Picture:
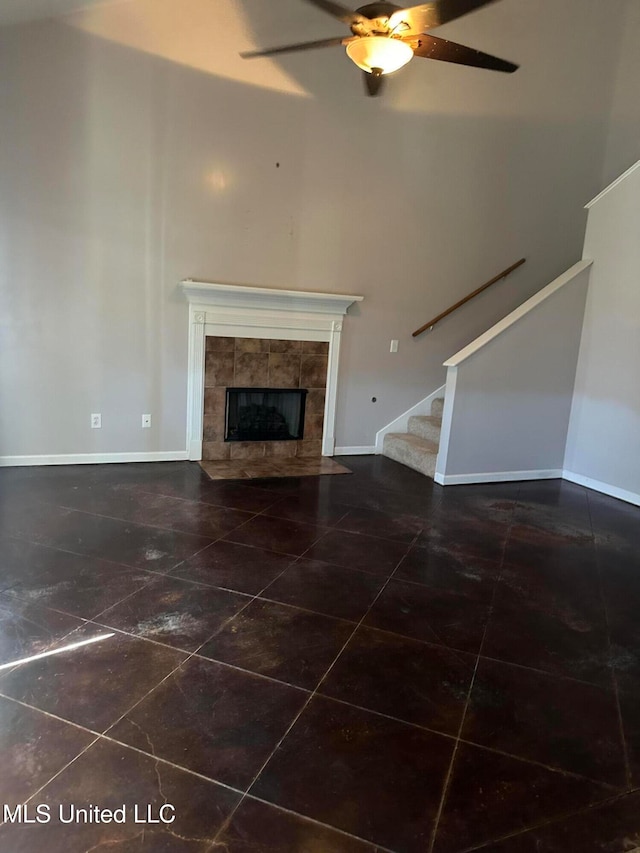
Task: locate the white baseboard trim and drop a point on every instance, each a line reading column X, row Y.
column 605, row 488
column 401, row 423
column 356, row 450
column 93, row 458
column 497, row 477
column 195, row 451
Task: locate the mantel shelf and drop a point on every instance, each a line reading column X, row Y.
column 246, row 296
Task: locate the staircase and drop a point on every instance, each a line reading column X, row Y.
column 418, row 448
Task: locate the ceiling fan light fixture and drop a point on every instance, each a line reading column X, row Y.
column 382, row 53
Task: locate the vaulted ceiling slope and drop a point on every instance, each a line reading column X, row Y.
column 19, row 11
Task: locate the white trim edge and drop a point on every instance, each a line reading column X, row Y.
column 356, row 450
column 498, row 477
column 599, row 486
column 94, row 458
column 401, row 423
column 447, row 420
column 519, row 313
column 612, row 185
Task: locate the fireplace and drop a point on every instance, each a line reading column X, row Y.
column 261, row 337
column 265, row 414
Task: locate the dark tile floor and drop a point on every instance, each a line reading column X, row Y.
column 318, row 665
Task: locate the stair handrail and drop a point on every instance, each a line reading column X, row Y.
column 503, row 274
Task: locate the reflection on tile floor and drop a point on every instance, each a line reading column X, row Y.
column 327, row 664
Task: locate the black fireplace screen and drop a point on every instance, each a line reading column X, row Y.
column 265, row 414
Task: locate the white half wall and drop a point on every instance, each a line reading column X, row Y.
column 508, row 394
column 603, row 444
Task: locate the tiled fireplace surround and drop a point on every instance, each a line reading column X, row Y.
column 262, row 363
column 245, row 336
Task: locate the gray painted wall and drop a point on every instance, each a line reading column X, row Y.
column 512, row 401
column 604, row 436
column 136, row 150
column 623, row 140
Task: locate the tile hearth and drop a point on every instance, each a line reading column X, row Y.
column 363, row 664
column 277, row 466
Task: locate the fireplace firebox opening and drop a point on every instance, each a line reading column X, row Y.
column 265, row 414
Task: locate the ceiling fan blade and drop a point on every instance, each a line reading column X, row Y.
column 291, row 48
column 342, row 13
column 417, row 19
column 431, row 47
column 373, row 83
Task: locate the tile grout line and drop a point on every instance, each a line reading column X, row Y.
column 291, row 686
column 97, row 736
column 449, row 774
column 207, row 503
column 334, row 525
column 129, row 566
column 260, row 595
column 557, row 819
column 311, row 696
column 251, row 513
column 62, row 769
column 153, row 577
column 103, row 736
column 60, row 550
column 158, row 577
column 49, row 647
column 125, row 520
column 378, row 847
column 614, row 677
column 186, row 660
column 475, row 744
column 67, row 765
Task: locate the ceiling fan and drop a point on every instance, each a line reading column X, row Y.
column 385, row 37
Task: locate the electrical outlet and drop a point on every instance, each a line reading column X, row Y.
column 394, row 346
column 96, row 421
column 146, row 422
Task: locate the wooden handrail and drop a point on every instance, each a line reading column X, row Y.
column 446, row 313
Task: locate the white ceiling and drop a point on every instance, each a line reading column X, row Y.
column 18, row 11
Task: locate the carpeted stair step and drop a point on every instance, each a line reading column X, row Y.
column 412, row 451
column 426, row 426
column 437, row 406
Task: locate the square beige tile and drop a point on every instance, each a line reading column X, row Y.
column 280, row 448
column 247, row 449
column 215, row 401
column 312, row 447
column 215, row 450
column 218, row 344
column 265, row 468
column 218, row 369
column 224, row 470
column 313, row 371
column 284, row 370
column 285, row 346
column 251, row 370
column 317, row 347
column 252, row 345
column 315, row 402
column 213, row 428
column 313, row 426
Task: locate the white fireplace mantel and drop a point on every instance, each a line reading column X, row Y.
column 245, row 296
column 231, row 310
